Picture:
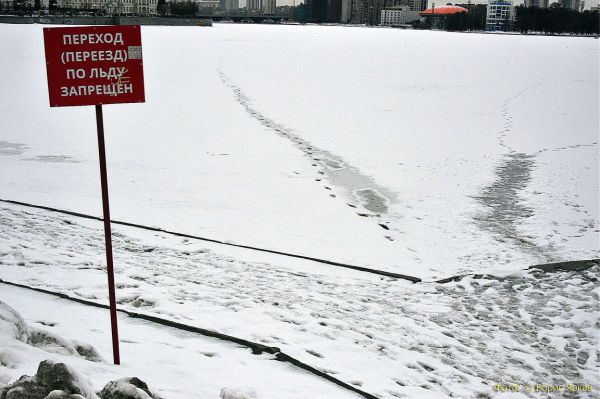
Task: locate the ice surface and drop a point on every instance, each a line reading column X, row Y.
column 379, row 147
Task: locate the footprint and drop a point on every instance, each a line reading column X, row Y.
column 315, row 354
column 582, row 357
column 46, row 323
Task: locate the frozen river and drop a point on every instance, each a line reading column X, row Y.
column 424, row 153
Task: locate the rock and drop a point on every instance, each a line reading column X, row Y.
column 57, row 376
column 51, row 381
column 126, row 388
column 87, row 351
column 233, row 393
column 25, row 387
column 63, row 395
column 57, row 381
column 140, row 384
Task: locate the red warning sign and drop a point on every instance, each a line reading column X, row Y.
column 94, row 65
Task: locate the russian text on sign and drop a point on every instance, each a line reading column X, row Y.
column 93, row 38
column 94, row 65
column 89, row 90
column 94, row 55
column 110, row 73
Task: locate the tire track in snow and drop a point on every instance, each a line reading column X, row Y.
column 361, row 189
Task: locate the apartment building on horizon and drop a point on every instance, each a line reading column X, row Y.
column 500, row 15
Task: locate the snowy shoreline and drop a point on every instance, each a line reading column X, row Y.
column 412, row 334
column 565, row 265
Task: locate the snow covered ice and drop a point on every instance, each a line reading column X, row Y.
column 423, row 122
column 431, row 154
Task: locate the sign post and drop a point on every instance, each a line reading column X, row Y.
column 108, row 236
column 96, row 65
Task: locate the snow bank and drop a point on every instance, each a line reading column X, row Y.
column 176, row 364
column 384, row 336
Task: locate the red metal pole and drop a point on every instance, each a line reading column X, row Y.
column 107, row 236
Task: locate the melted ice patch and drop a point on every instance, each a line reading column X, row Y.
column 359, row 188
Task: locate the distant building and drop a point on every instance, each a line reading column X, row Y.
column 537, row 3
column 21, row 4
column 374, row 8
column 318, row 10
column 206, row 4
column 357, row 10
column 417, row 5
column 229, row 5
column 7, row 4
column 123, row 7
column 571, row 4
column 398, row 15
column 346, row 11
column 369, row 11
column 335, row 11
column 144, row 7
column 269, row 7
column 500, row 14
column 448, row 9
column 284, row 11
column 254, row 5
column 437, row 15
column 413, row 5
